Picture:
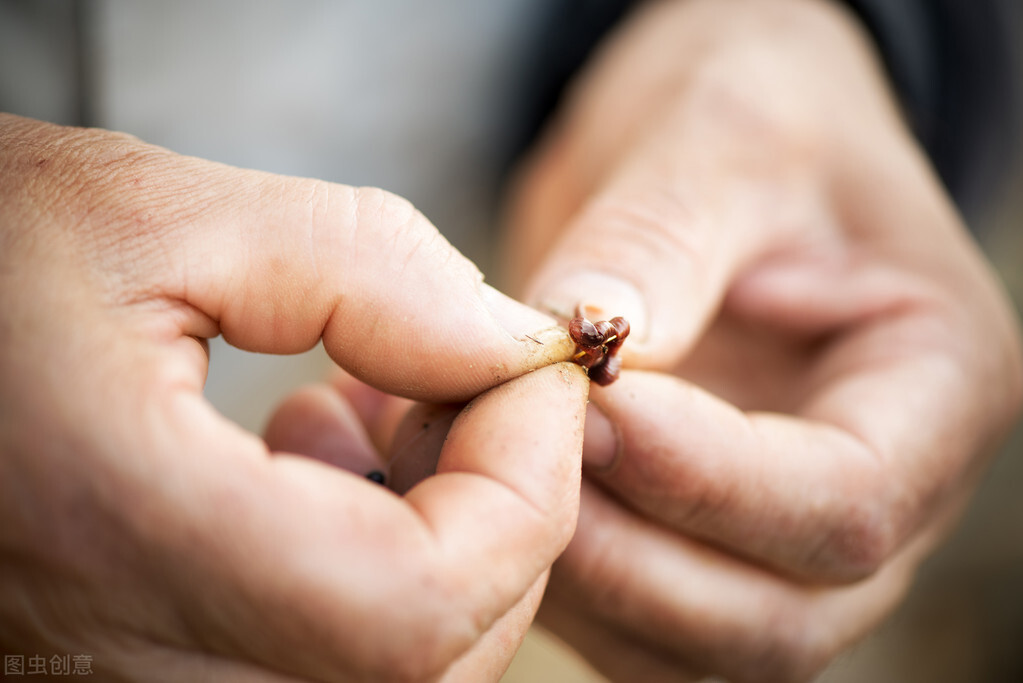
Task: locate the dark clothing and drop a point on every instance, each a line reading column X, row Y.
column 955, row 65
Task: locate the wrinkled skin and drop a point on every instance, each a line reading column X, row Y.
column 820, row 366
column 821, row 363
column 141, row 528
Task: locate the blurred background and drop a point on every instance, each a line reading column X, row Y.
column 228, row 80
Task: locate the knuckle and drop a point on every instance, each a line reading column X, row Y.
column 393, row 217
column 700, row 498
column 375, row 201
column 600, row 570
column 861, row 541
column 393, row 220
column 789, row 648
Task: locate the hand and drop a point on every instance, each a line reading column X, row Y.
column 820, row 362
column 140, row 527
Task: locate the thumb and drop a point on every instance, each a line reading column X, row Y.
column 683, row 212
column 395, row 304
column 277, row 263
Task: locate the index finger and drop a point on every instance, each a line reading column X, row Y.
column 346, row 575
column 831, row 491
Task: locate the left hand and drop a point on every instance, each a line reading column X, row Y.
column 140, row 527
column 820, row 362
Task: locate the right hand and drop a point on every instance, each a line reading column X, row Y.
column 820, row 362
column 140, row 527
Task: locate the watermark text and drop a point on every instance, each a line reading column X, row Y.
column 43, row 665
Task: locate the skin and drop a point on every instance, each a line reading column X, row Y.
column 821, row 363
column 819, row 367
column 142, row 528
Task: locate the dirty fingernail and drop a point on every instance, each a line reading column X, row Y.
column 601, row 295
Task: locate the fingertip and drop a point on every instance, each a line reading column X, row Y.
column 316, row 422
column 600, row 294
column 531, row 429
column 468, row 340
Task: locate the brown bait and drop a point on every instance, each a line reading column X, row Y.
column 597, row 346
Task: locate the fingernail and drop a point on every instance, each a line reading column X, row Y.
column 517, row 318
column 602, row 297
column 601, row 444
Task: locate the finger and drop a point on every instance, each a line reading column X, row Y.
column 418, row 443
column 276, row 263
column 395, row 303
column 491, row 655
column 352, row 577
column 491, row 458
column 811, row 497
column 694, row 201
column 380, row 413
column 316, row 422
column 700, row 173
column 225, row 536
column 712, row 611
column 698, row 465
column 542, row 198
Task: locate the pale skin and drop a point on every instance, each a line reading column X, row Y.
column 821, row 361
column 819, row 365
column 141, row 528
